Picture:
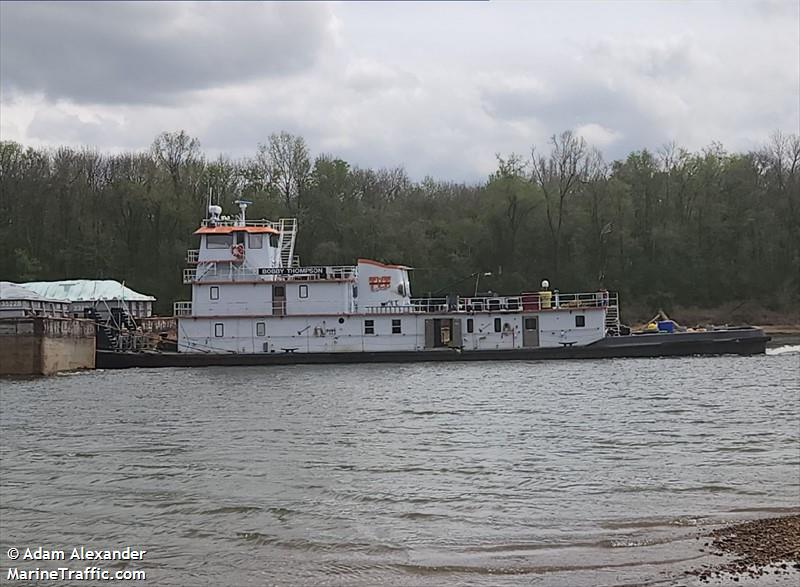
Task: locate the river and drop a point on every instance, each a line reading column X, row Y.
column 552, row 473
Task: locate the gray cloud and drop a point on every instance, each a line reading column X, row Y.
column 577, row 103
column 385, row 84
column 149, row 52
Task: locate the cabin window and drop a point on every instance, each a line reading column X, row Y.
column 214, row 292
column 273, row 241
column 470, row 325
column 530, row 323
column 219, row 330
column 219, row 241
column 580, row 321
column 255, row 241
column 397, row 327
column 369, row 326
column 261, row 329
column 498, row 324
column 303, row 291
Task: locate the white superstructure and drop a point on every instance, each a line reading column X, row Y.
column 249, row 295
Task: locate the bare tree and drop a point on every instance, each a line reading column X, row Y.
column 175, row 150
column 510, row 182
column 285, row 165
column 559, row 175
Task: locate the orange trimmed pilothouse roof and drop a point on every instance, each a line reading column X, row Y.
column 230, row 229
column 386, row 265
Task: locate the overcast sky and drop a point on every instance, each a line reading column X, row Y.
column 436, row 87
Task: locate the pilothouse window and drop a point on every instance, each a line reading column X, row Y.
column 219, row 241
column 255, row 241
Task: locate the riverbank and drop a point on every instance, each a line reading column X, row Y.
column 762, row 548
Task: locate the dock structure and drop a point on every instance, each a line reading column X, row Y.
column 39, row 337
column 43, row 345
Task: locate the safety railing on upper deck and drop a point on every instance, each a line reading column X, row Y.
column 528, row 302
column 192, row 255
column 232, row 221
column 556, row 300
column 233, row 272
column 182, row 309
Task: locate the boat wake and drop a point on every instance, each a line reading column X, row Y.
column 785, row 349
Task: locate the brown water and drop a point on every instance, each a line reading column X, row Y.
column 551, row 473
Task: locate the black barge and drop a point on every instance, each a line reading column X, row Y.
column 730, row 341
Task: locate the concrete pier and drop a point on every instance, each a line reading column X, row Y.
column 46, row 345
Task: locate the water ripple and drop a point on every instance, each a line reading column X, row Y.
column 575, row 472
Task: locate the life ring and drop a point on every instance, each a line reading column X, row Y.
column 238, row 251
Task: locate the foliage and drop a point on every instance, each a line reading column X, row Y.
column 666, row 228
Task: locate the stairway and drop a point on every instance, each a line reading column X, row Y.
column 111, row 336
column 288, row 234
column 612, row 320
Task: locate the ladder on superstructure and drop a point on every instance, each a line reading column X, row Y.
column 612, row 319
column 288, row 234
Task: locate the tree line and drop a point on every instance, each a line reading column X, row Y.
column 665, row 229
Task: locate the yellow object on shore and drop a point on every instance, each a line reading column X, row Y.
column 545, row 299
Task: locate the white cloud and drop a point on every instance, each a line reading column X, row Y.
column 597, row 135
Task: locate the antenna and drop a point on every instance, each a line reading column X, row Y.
column 243, row 204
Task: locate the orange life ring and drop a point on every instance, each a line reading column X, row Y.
column 238, row 251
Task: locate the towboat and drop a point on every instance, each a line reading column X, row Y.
column 254, row 303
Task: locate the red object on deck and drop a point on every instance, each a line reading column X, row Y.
column 530, row 302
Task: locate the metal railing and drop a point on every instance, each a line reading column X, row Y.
column 232, row 221
column 315, row 273
column 182, row 309
column 156, row 324
column 490, row 304
column 234, row 272
column 529, row 302
column 192, row 255
column 557, row 300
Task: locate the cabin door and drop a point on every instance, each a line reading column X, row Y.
column 530, row 331
column 442, row 333
column 429, row 335
column 457, row 341
column 279, row 300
